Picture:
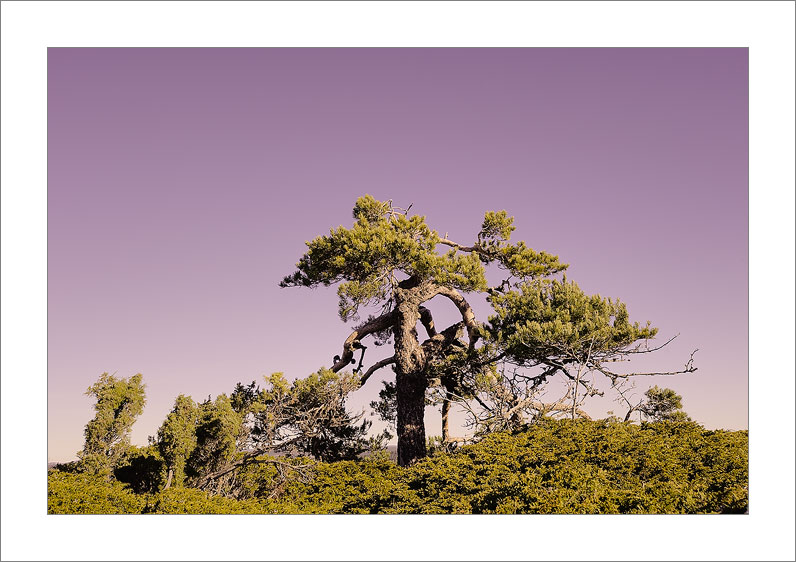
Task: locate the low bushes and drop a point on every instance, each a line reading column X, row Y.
column 551, row 467
column 83, row 493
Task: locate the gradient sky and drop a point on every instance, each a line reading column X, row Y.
column 183, row 184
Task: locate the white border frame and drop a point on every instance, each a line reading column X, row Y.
column 28, row 28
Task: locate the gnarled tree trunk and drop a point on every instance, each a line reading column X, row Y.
column 411, row 359
column 410, row 376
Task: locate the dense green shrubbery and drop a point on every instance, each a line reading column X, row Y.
column 588, row 467
column 192, row 501
column 69, row 492
column 371, row 485
column 551, row 467
column 142, row 469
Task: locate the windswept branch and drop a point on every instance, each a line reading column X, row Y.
column 559, row 407
column 377, row 324
column 537, row 380
column 643, row 347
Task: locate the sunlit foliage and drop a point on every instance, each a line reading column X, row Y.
column 118, row 403
column 554, row 466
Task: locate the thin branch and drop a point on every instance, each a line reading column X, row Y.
column 459, row 247
column 646, row 349
column 375, row 367
column 689, row 368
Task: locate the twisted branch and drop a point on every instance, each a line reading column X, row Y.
column 378, row 324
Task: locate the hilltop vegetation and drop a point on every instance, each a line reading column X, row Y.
column 553, row 466
column 292, row 446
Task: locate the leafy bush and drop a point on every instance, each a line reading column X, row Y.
column 555, row 466
column 371, row 485
column 588, row 467
column 87, row 493
column 142, row 469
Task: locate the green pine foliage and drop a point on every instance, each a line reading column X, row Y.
column 217, row 428
column 581, row 466
column 554, row 466
column 555, row 319
column 184, row 501
column 80, row 492
column 382, row 242
column 311, row 416
column 372, row 485
column 142, row 469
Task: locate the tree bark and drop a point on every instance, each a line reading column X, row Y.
column 410, row 376
column 411, row 397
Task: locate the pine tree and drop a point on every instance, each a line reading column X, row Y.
column 390, row 259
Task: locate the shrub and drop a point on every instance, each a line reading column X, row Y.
column 371, row 485
column 559, row 466
column 142, row 469
column 86, row 493
column 588, row 467
column 192, row 501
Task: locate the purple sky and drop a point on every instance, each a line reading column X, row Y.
column 184, row 182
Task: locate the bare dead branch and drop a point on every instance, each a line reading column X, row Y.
column 558, row 407
column 643, row 347
column 459, row 247
column 689, row 368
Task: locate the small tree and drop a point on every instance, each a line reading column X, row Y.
column 118, row 403
column 176, row 438
column 390, row 260
column 304, row 418
column 663, row 404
